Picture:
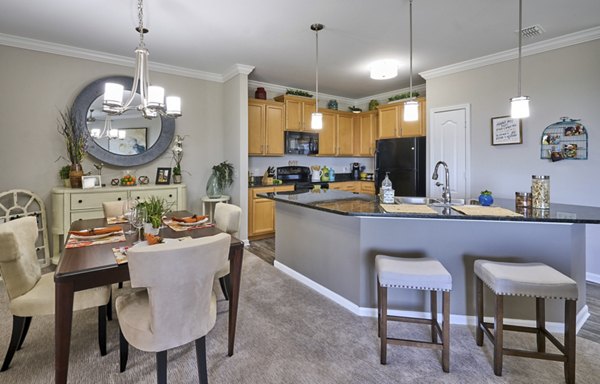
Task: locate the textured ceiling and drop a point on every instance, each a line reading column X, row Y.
column 274, row 35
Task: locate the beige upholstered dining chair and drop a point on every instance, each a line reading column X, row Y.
column 113, row 208
column 178, row 304
column 32, row 294
column 228, row 218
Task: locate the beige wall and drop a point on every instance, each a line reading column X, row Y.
column 35, row 86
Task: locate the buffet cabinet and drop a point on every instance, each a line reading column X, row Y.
column 71, row 204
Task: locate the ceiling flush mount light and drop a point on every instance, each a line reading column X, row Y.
column 316, row 121
column 519, row 106
column 384, row 69
column 153, row 97
column 411, row 107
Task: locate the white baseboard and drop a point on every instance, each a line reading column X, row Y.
column 553, row 327
column 592, row 277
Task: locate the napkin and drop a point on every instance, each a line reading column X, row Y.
column 188, row 219
column 96, row 231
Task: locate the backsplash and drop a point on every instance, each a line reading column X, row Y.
column 258, row 165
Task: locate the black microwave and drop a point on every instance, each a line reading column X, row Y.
column 301, row 143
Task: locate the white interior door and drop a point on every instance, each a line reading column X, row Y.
column 449, row 133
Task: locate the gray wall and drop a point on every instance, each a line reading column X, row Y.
column 36, row 86
column 562, row 82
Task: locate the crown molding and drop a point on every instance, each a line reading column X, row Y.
column 103, row 57
column 275, row 88
column 237, row 69
column 511, row 54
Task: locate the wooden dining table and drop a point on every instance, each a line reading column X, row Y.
column 95, row 266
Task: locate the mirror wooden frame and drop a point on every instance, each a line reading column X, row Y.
column 80, row 109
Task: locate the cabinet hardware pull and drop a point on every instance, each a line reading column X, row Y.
column 80, row 201
column 170, row 195
column 119, row 199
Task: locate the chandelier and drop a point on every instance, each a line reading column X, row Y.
column 107, row 131
column 153, row 97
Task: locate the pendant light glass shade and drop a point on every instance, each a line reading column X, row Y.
column 411, row 107
column 519, row 106
column 316, row 121
column 411, row 110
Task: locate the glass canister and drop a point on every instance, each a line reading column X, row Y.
column 540, row 192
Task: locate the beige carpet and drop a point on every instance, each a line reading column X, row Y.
column 287, row 333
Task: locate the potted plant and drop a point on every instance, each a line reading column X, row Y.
column 76, row 143
column 177, row 151
column 64, row 175
column 156, row 207
column 220, row 179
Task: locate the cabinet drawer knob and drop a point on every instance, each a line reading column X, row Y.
column 137, row 198
column 80, row 201
column 119, row 199
column 170, row 195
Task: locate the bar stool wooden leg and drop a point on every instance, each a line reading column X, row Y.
column 446, row 331
column 540, row 323
column 383, row 324
column 570, row 337
column 498, row 334
column 378, row 309
column 479, row 310
column 434, row 307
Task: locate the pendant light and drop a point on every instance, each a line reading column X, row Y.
column 316, row 121
column 519, row 106
column 411, row 107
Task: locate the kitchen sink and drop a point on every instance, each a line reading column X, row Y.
column 419, row 200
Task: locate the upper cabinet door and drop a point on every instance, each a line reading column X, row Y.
column 293, row 115
column 274, row 121
column 388, row 122
column 345, row 134
column 255, row 128
column 327, row 142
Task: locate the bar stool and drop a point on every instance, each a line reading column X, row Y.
column 534, row 280
column 414, row 273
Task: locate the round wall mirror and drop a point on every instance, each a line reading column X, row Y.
column 133, row 140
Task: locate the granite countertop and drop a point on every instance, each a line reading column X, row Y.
column 354, row 204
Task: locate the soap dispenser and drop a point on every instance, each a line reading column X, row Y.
column 386, row 191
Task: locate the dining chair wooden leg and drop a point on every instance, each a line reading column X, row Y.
column 25, row 330
column 225, row 282
column 201, row 360
column 378, row 308
column 109, row 311
column 161, row 367
column 120, row 285
column 123, row 352
column 15, row 338
column 102, row 329
column 569, row 341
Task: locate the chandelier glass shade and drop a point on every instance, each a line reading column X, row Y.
column 316, row 121
column 152, row 97
column 519, row 106
column 411, row 107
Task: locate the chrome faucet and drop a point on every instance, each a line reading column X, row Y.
column 446, row 196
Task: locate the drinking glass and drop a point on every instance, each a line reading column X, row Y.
column 128, row 207
column 138, row 218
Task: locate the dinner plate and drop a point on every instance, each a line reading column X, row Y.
column 145, row 243
column 92, row 237
column 194, row 223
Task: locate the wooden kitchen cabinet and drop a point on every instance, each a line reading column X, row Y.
column 392, row 124
column 365, row 133
column 328, row 135
column 367, row 187
column 350, row 186
column 261, row 211
column 344, row 134
column 298, row 111
column 265, row 128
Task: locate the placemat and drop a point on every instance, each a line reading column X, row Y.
column 477, row 210
column 78, row 243
column 116, row 220
column 408, row 208
column 180, row 228
column 121, row 252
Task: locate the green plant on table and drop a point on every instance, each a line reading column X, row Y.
column 64, row 172
column 156, row 207
column 177, row 151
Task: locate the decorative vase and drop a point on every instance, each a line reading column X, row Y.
column 148, row 228
column 176, row 179
column 67, row 183
column 214, row 189
column 260, row 93
column 332, row 104
column 75, row 175
column 486, row 200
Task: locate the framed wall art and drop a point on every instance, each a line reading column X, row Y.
column 163, row 175
column 91, row 182
column 131, row 141
column 506, row 130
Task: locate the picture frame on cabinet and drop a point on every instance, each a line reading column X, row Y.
column 163, row 176
column 91, row 182
column 506, row 130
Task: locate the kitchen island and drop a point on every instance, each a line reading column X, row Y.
column 329, row 240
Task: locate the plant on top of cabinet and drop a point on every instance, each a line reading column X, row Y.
column 297, row 92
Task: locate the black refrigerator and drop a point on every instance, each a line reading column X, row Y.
column 404, row 159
